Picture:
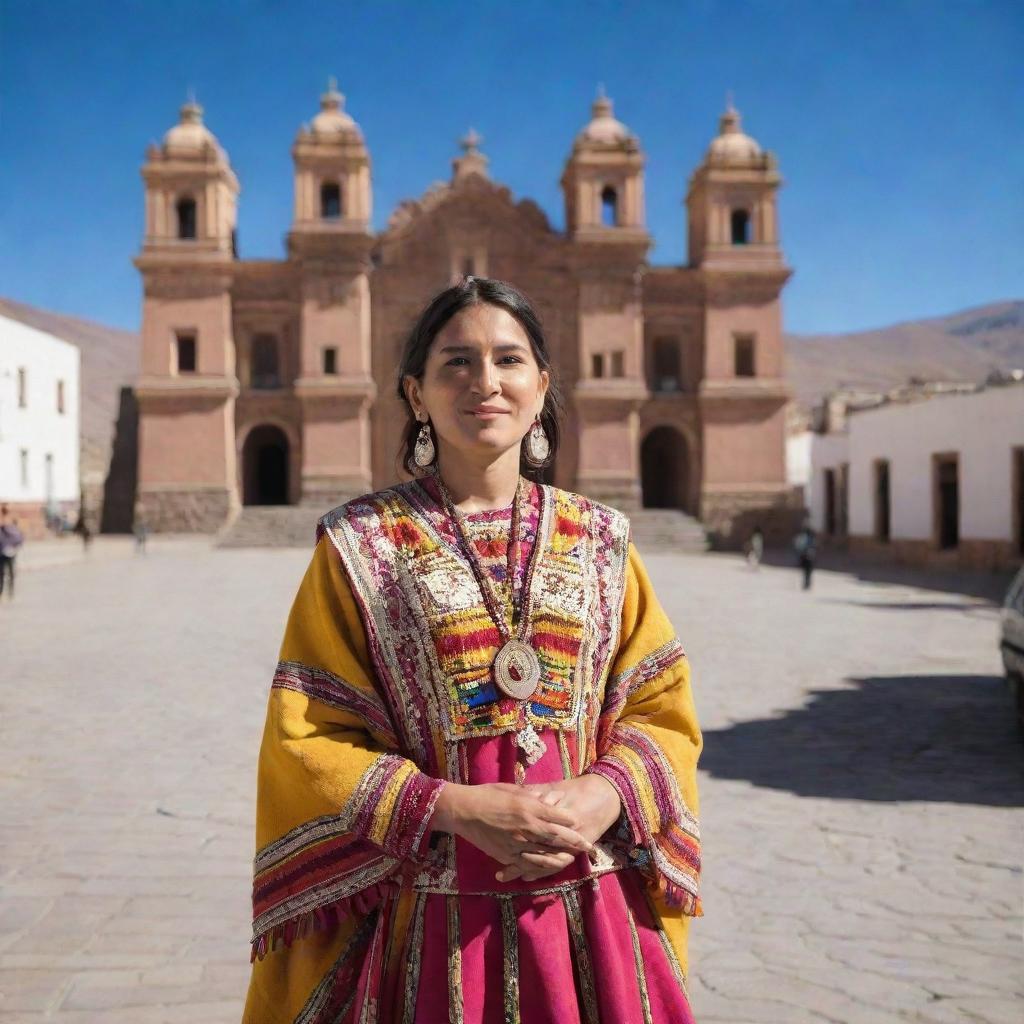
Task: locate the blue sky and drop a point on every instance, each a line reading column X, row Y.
column 897, row 124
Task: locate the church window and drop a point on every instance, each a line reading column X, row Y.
column 60, row 396
column 22, row 388
column 24, row 467
column 186, row 207
column 744, row 355
column 618, row 363
column 609, row 207
column 330, row 200
column 666, row 364
column 185, row 352
column 330, row 360
column 265, row 373
column 740, row 221
column 468, row 267
column 597, row 364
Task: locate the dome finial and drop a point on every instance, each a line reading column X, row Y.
column 191, row 112
column 332, row 99
column 602, row 105
column 729, row 122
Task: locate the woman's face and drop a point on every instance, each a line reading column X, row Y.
column 481, row 387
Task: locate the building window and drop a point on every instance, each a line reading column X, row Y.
column 185, row 352
column 618, row 363
column 666, row 364
column 468, row 267
column 597, row 364
column 60, row 397
column 882, row 502
column 330, row 200
column 186, row 208
column 946, row 499
column 609, row 207
column 330, row 360
column 22, row 388
column 48, row 469
column 830, row 502
column 843, row 499
column 739, row 221
column 743, row 345
column 24, row 467
column 265, row 371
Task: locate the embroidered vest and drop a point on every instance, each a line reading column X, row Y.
column 433, row 642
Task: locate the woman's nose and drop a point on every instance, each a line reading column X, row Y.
column 484, row 379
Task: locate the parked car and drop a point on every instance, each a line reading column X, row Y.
column 1011, row 644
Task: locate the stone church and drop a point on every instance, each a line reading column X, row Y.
column 273, row 381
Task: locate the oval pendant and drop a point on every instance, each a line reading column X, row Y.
column 517, row 670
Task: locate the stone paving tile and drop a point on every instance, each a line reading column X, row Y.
column 861, row 790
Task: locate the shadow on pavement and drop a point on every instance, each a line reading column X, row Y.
column 950, row 738
column 986, row 585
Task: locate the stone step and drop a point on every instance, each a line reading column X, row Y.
column 658, row 529
column 270, row 526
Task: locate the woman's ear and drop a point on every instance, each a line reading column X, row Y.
column 411, row 386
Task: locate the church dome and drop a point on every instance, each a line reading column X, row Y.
column 333, row 121
column 603, row 126
column 190, row 137
column 731, row 145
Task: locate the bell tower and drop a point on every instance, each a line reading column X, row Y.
column 734, row 250
column 329, row 244
column 603, row 185
column 188, row 385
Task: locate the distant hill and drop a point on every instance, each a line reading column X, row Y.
column 110, row 360
column 961, row 346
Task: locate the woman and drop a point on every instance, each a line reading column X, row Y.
column 477, row 784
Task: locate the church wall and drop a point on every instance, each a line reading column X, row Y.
column 722, row 322
column 209, row 316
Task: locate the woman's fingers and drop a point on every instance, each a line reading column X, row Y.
column 547, row 860
column 557, row 816
column 550, row 834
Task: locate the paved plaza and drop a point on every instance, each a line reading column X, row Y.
column 861, row 789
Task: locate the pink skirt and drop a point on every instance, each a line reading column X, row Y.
column 572, row 948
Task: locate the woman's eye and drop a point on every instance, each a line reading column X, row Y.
column 457, row 359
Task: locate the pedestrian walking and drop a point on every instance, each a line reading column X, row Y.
column 141, row 530
column 11, row 540
column 805, row 545
column 476, row 792
column 755, row 548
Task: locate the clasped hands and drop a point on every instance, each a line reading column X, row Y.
column 535, row 830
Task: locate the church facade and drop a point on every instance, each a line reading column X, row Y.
column 274, row 381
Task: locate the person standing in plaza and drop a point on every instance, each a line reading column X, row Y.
column 11, row 540
column 755, row 548
column 476, row 794
column 805, row 545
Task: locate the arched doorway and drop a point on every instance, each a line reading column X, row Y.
column 265, row 466
column 664, row 469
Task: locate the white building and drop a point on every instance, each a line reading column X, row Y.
column 930, row 475
column 39, row 423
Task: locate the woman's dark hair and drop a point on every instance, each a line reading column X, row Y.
column 472, row 291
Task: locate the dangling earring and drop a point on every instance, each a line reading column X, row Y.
column 424, row 452
column 538, row 448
